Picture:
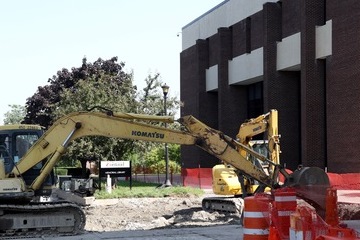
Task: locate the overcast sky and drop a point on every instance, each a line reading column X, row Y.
column 40, row 37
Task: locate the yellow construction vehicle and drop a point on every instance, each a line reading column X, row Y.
column 20, row 215
column 233, row 184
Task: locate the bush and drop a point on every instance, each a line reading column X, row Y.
column 60, row 171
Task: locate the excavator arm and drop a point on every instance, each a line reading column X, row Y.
column 267, row 122
column 252, row 127
column 52, row 145
column 220, row 145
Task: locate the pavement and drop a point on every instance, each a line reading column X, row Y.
column 221, row 232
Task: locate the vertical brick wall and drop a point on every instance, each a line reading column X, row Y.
column 281, row 89
column 240, row 45
column 256, row 30
column 313, row 124
column 239, row 36
column 343, row 87
column 230, row 104
column 194, row 62
column 213, row 49
column 290, row 17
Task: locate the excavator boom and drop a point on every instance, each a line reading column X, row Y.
column 76, row 125
column 54, row 142
column 219, row 145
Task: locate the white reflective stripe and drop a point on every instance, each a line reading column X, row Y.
column 284, row 213
column 255, row 214
column 300, row 235
column 285, row 198
column 296, row 235
column 252, row 231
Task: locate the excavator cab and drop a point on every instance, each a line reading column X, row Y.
column 15, row 141
column 261, row 147
column 18, row 139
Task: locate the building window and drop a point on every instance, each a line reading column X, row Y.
column 255, row 99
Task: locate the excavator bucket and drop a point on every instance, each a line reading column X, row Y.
column 310, row 184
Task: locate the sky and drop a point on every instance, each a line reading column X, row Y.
column 40, row 37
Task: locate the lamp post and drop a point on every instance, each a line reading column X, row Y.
column 167, row 183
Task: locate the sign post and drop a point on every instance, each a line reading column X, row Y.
column 116, row 169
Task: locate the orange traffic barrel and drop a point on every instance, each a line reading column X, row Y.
column 331, row 214
column 256, row 217
column 284, row 205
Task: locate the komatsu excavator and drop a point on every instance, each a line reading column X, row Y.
column 21, row 215
column 231, row 184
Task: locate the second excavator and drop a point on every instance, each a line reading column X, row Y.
column 232, row 185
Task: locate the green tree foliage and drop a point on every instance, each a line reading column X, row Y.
column 15, row 115
column 151, row 99
column 155, row 160
column 157, row 154
column 103, row 84
column 150, row 155
column 98, row 92
column 40, row 106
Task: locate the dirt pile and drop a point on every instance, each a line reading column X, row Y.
column 150, row 213
column 349, row 211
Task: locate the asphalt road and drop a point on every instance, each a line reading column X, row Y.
column 228, row 232
column 221, row 232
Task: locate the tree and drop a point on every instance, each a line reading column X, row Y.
column 154, row 162
column 40, row 106
column 151, row 102
column 103, row 84
column 151, row 98
column 15, row 115
column 104, row 93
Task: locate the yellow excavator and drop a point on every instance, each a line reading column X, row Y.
column 23, row 214
column 232, row 184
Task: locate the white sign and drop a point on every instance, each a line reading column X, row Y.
column 115, row 164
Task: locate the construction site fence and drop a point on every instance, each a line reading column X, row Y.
column 345, row 181
column 202, row 178
column 189, row 177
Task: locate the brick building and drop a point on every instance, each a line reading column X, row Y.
column 245, row 57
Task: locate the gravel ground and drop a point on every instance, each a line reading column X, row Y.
column 170, row 212
column 150, row 213
column 349, row 211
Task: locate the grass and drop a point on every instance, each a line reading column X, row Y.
column 141, row 189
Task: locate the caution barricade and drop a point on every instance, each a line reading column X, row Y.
column 256, row 217
column 284, row 205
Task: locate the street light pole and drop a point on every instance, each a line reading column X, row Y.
column 167, row 183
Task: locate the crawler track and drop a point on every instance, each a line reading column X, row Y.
column 40, row 219
column 223, row 204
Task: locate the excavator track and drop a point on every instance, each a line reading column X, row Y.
column 40, row 219
column 223, row 204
